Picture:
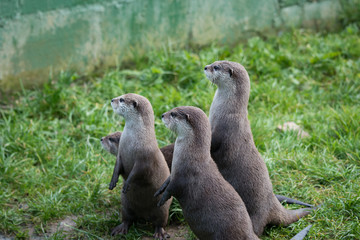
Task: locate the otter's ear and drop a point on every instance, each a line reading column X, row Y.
column 231, row 72
column 135, row 103
column 187, row 117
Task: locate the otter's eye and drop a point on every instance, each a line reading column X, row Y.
column 111, row 140
column 173, row 114
column 122, row 100
column 216, row 67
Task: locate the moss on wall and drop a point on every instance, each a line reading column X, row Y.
column 43, row 36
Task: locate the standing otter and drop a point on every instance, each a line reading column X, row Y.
column 210, row 204
column 111, row 144
column 141, row 164
column 234, row 151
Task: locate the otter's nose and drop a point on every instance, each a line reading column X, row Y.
column 112, row 100
column 101, row 139
column 205, row 68
column 162, row 116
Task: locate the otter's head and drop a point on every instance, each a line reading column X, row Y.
column 228, row 76
column 133, row 107
column 111, row 142
column 190, row 122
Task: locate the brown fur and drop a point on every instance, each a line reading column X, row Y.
column 168, row 152
column 141, row 164
column 111, row 144
column 234, row 151
column 210, row 204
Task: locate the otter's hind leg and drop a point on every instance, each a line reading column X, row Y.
column 128, row 217
column 123, row 228
column 258, row 224
column 160, row 233
column 159, row 218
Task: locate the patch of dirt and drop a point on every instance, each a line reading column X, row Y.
column 176, row 232
column 66, row 225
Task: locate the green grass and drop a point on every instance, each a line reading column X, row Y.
column 52, row 164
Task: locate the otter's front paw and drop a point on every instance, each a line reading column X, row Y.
column 126, row 187
column 158, row 192
column 162, row 201
column 112, row 185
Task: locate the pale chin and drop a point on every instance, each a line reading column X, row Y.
column 165, row 122
column 105, row 146
column 210, row 76
column 118, row 111
column 207, row 74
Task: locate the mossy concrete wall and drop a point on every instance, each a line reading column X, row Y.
column 41, row 37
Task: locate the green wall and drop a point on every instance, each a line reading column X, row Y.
column 40, row 37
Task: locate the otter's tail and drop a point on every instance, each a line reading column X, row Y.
column 292, row 201
column 295, row 215
column 301, row 235
column 284, row 217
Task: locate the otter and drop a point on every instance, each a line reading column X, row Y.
column 111, row 144
column 234, row 151
column 209, row 203
column 140, row 162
